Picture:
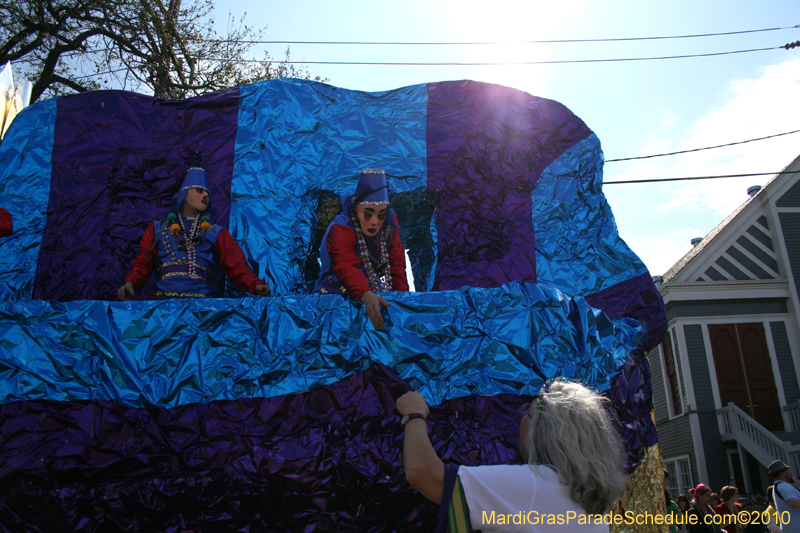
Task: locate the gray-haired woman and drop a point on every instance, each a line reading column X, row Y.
column 573, row 476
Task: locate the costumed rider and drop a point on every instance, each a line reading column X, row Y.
column 361, row 253
column 189, row 252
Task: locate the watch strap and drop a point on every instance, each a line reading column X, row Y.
column 411, row 416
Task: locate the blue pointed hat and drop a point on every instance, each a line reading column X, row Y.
column 372, row 189
column 195, row 178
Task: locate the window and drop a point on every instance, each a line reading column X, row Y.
column 686, row 476
column 677, row 349
column 674, row 482
column 671, row 373
column 680, row 476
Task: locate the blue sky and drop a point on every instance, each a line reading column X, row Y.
column 635, row 108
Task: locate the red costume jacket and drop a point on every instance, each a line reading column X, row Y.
column 345, row 261
column 227, row 254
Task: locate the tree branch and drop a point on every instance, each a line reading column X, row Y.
column 169, row 46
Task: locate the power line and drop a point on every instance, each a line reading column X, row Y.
column 445, row 64
column 368, row 63
column 477, row 64
column 658, row 180
column 701, row 149
column 516, row 63
column 702, row 177
column 383, row 43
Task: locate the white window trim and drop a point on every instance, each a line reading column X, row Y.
column 738, row 483
column 677, row 460
column 665, row 378
column 681, row 354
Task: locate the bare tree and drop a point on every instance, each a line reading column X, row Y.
column 167, row 47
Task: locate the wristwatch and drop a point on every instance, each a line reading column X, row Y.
column 410, row 416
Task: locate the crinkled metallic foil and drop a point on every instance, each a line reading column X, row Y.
column 169, row 353
column 25, row 169
column 631, row 395
column 322, row 460
column 298, row 142
column 492, row 185
column 180, row 415
column 575, row 226
column 644, row 496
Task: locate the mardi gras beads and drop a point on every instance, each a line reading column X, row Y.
column 376, row 284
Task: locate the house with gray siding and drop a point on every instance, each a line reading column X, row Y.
column 725, row 377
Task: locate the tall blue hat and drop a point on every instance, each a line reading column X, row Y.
column 372, row 189
column 195, row 178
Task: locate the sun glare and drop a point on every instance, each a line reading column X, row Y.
column 512, row 24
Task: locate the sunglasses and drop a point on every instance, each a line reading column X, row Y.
column 368, row 215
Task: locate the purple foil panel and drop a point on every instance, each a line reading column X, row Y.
column 118, row 158
column 487, row 146
column 631, row 391
column 636, row 298
column 323, row 460
column 631, row 394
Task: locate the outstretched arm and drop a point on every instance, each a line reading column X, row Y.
column 143, row 265
column 345, row 261
column 233, row 263
column 373, row 303
column 424, row 469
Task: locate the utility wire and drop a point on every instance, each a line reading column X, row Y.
column 415, row 64
column 553, row 62
column 701, row 149
column 658, row 180
column 379, row 43
column 702, row 177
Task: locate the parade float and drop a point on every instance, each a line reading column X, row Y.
column 277, row 414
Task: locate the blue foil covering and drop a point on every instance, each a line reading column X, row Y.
column 298, row 138
column 221, row 414
column 274, row 149
column 323, row 460
column 25, row 156
column 169, row 353
column 578, row 248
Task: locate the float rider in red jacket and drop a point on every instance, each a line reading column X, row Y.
column 361, row 253
column 189, row 253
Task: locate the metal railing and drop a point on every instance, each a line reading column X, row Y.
column 793, row 411
column 735, row 424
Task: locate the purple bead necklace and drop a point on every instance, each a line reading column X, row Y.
column 375, row 283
